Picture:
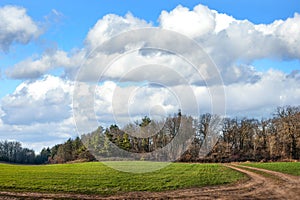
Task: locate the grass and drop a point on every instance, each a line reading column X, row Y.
column 292, row 168
column 267, row 175
column 97, row 178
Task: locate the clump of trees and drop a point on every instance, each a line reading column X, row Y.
column 13, row 152
column 139, row 138
column 71, row 150
column 274, row 139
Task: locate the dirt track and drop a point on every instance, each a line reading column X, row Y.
column 263, row 184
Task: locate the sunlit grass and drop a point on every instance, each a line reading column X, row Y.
column 292, row 168
column 97, row 178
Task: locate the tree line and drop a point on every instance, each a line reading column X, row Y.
column 71, row 150
column 276, row 138
column 246, row 139
column 13, row 152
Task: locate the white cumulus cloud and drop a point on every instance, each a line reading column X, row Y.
column 16, row 27
column 43, row 101
column 196, row 23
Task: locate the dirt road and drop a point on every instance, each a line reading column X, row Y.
column 262, row 184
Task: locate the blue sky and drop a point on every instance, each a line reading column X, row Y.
column 254, row 43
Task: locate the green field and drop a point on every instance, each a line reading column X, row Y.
column 292, row 168
column 97, row 178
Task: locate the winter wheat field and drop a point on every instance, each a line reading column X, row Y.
column 179, row 180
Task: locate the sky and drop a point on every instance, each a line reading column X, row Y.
column 67, row 67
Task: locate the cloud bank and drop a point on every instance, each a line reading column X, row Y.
column 127, row 88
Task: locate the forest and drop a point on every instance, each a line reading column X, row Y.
column 273, row 139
